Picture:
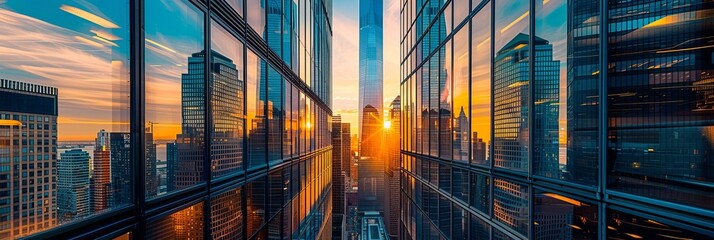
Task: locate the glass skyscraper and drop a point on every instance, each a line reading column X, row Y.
column 174, row 119
column 371, row 59
column 554, row 119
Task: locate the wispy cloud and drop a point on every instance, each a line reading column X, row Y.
column 85, row 73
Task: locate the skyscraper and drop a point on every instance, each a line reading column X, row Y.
column 338, row 178
column 72, row 185
column 370, row 58
column 100, row 187
column 28, row 137
column 190, row 142
column 171, row 165
column 121, row 180
column 227, row 89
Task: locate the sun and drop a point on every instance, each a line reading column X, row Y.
column 387, row 124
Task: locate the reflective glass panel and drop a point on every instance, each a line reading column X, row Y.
column 559, row 217
column 175, row 94
column 228, row 93
column 460, row 112
column 184, row 224
column 64, row 99
column 511, row 85
column 255, row 105
column 227, row 215
column 660, row 121
column 510, row 204
column 622, row 225
column 481, row 87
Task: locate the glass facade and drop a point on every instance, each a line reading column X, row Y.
column 555, row 119
column 176, row 119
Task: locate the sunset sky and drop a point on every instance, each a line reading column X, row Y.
column 345, row 50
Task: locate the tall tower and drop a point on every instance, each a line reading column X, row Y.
column 100, row 183
column 32, row 117
column 72, row 185
column 370, row 58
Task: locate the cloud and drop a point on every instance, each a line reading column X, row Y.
column 85, row 72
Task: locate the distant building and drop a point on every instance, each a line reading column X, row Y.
column 100, row 183
column 121, row 165
column 171, row 165
column 72, row 185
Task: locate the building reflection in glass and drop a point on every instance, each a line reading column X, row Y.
column 660, row 88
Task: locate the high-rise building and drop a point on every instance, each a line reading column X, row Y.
column 121, row 180
column 570, row 120
column 227, row 89
column 28, row 158
column 391, row 156
column 190, row 142
column 72, row 185
column 100, row 187
column 171, row 165
column 339, row 206
column 371, row 59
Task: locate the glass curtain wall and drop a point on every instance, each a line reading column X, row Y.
column 564, row 119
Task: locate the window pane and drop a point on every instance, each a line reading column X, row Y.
column 445, row 102
column 255, row 15
column 227, row 93
column 510, row 204
column 511, row 85
column 480, row 186
column 66, row 65
column 434, row 102
column 460, row 113
column 273, row 31
column 255, row 204
column 628, row 226
column 481, row 87
column 659, row 110
column 184, row 224
column 287, row 132
column 227, row 215
column 274, row 116
column 479, row 229
column 551, row 19
column 237, row 6
column 256, row 132
column 561, row 217
column 461, row 9
column 175, row 100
